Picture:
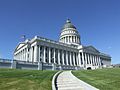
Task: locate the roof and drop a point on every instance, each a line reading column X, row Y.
column 68, row 24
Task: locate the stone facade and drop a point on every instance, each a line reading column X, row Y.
column 67, row 53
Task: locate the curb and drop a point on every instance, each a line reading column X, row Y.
column 54, row 79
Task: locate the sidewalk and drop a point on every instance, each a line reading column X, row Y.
column 67, row 81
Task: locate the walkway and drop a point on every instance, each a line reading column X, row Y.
column 67, row 81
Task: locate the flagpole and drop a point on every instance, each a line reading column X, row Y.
column 23, row 37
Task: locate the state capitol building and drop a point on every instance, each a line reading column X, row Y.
column 67, row 53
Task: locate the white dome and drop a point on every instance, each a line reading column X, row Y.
column 69, row 34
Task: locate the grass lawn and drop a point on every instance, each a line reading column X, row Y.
column 12, row 79
column 103, row 79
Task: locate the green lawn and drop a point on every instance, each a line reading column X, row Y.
column 12, row 79
column 103, row 79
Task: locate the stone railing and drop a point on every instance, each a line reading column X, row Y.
column 5, row 60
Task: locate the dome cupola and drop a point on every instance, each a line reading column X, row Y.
column 69, row 34
column 68, row 24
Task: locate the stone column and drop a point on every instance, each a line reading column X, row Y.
column 31, row 54
column 99, row 63
column 49, row 55
column 75, row 39
column 83, row 59
column 70, row 59
column 63, row 57
column 91, row 59
column 78, row 59
column 74, row 58
column 70, row 38
column 67, row 57
column 22, row 55
column 65, row 39
column 88, row 58
column 99, row 60
column 19, row 55
column 26, row 54
column 54, row 56
column 39, row 54
column 44, row 56
column 58, row 56
column 78, row 40
column 35, row 53
column 95, row 60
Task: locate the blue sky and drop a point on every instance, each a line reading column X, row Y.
column 98, row 22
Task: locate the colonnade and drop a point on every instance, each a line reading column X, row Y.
column 89, row 59
column 22, row 55
column 45, row 54
column 69, row 39
column 58, row 56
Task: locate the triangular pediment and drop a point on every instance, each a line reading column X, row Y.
column 19, row 46
column 91, row 49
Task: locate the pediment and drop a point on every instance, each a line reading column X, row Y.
column 19, row 46
column 91, row 49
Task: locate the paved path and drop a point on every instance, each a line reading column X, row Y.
column 67, row 81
